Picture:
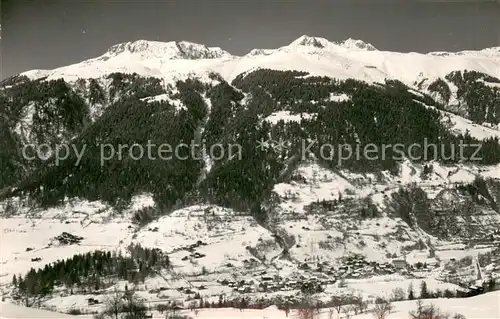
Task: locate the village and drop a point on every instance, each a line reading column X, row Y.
column 322, row 274
column 254, row 279
column 261, row 286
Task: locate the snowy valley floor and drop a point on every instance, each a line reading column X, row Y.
column 486, row 306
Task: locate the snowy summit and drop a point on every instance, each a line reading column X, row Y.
column 350, row 58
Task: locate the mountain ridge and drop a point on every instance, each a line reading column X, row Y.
column 350, row 58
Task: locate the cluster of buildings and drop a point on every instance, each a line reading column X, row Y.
column 322, row 274
column 274, row 283
column 356, row 266
column 317, row 275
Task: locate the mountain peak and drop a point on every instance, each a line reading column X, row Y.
column 168, row 50
column 309, row 41
column 322, row 43
column 357, row 44
column 260, row 52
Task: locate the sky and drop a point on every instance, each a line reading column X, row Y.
column 45, row 34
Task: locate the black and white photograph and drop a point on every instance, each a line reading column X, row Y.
column 227, row 159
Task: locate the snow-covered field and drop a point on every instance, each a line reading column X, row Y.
column 486, row 306
column 11, row 311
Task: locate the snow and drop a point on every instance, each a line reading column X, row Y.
column 23, row 127
column 226, row 234
column 38, row 233
column 231, row 237
column 141, row 201
column 322, row 184
column 11, row 311
column 165, row 50
column 286, row 116
column 460, row 125
column 348, row 59
column 339, row 98
column 484, row 306
column 100, row 226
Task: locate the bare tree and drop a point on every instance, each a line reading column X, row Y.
column 134, row 307
column 308, row 309
column 360, row 305
column 286, row 309
column 304, row 313
column 430, row 312
column 193, row 305
column 114, row 305
column 348, row 310
column 398, row 294
column 382, row 309
column 337, row 303
column 419, row 312
column 331, row 311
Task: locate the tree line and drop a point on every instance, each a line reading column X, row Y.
column 89, row 272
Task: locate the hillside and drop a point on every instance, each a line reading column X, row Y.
column 260, row 187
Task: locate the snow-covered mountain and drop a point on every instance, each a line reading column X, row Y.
column 318, row 56
column 268, row 226
column 165, row 50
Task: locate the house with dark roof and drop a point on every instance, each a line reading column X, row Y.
column 399, row 263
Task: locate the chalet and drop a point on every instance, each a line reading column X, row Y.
column 177, row 308
column 432, row 262
column 198, row 255
column 474, row 291
column 399, row 263
column 92, row 301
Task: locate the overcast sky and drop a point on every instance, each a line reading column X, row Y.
column 52, row 33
